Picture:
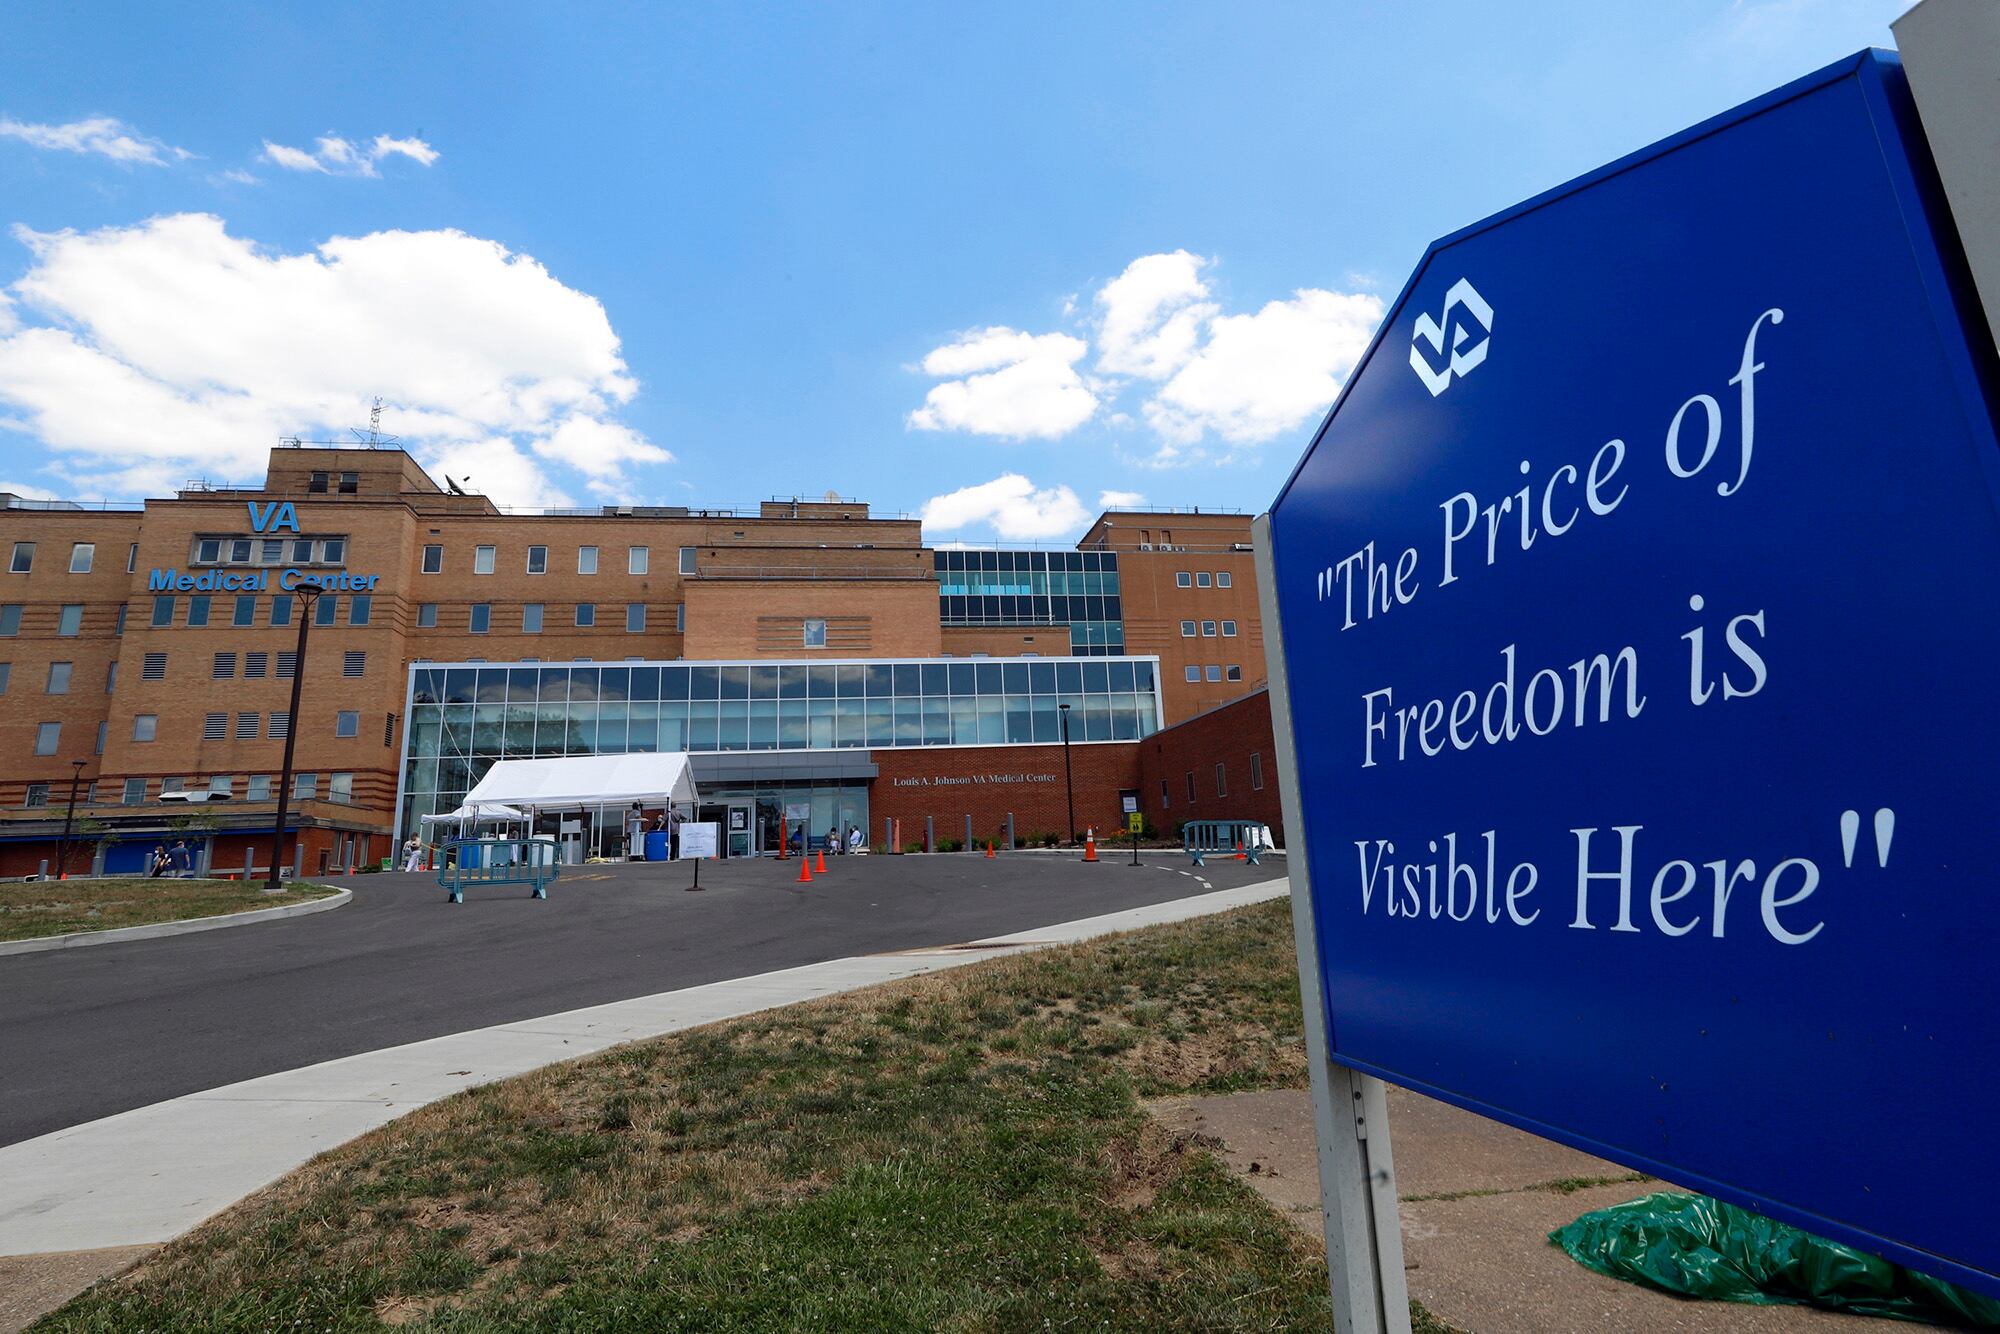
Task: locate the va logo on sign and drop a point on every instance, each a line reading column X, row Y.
column 1469, row 321
column 270, row 518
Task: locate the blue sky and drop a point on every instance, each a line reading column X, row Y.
column 987, row 263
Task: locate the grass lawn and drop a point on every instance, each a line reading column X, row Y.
column 960, row 1152
column 40, row 908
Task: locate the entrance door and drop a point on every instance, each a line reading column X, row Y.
column 741, row 831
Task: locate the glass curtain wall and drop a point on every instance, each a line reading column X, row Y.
column 1074, row 588
column 462, row 718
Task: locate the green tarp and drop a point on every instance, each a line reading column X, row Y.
column 1700, row 1247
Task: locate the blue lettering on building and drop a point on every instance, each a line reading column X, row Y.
column 258, row 581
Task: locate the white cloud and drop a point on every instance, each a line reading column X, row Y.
column 600, row 450
column 1261, row 375
column 106, row 136
column 1119, row 499
column 171, row 349
column 8, row 321
column 1016, row 385
column 237, row 177
column 1011, row 505
column 335, row 156
column 1151, row 315
column 497, row 468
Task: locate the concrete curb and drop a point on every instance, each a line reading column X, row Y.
column 153, row 930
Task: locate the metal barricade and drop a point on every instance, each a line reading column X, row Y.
column 498, row 861
column 1201, row 837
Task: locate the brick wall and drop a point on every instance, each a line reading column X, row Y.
column 948, row 783
column 1229, row 736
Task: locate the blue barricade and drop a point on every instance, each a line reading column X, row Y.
column 498, row 861
column 1200, row 837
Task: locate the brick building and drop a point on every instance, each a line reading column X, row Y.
column 822, row 664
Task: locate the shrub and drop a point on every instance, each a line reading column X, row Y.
column 950, row 844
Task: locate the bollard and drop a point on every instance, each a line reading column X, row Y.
column 249, row 856
column 930, row 833
column 44, row 875
column 299, row 859
column 968, row 834
column 889, row 835
column 1011, row 844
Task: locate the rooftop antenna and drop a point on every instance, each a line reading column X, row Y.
column 373, row 437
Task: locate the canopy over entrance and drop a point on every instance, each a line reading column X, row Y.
column 651, row 779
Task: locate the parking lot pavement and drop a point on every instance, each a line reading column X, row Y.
column 93, row 1032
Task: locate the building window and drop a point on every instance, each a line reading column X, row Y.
column 531, row 618
column 145, row 726
column 325, row 609
column 680, row 618
column 221, row 785
column 132, row 559
column 163, row 611
column 215, row 727
column 482, row 560
column 816, row 634
column 316, row 484
column 1201, row 579
column 81, row 556
column 153, row 667
column 110, row 678
column 354, row 662
column 271, row 551
column 288, row 664
column 1214, row 672
column 281, row 610
column 347, row 723
column 305, row 787
column 1208, row 629
column 1182, row 579
column 257, row 787
column 198, row 611
column 586, row 560
column 1166, row 802
column 24, row 558
column 255, row 665
column 10, row 619
column 246, row 726
column 1221, row 780
column 59, row 678
column 433, row 559
column 389, row 730
column 277, row 726
column 1222, row 578
column 135, row 791
column 225, row 667
column 1256, row 771
column 427, row 615
column 586, row 615
column 538, row 560
column 1229, row 629
column 1187, row 629
column 38, row 796
column 1232, row 673
column 7, row 673
column 358, row 608
column 239, row 551
column 245, row 613
column 687, row 560
column 350, row 483
column 103, row 731
column 172, row 785
column 302, row 552
column 1194, row 673
column 119, row 628
column 69, row 621
column 482, row 618
column 635, row 618
column 638, row 560
column 1190, row 787
column 333, row 551
column 340, row 787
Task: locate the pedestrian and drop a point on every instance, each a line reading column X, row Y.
column 183, row 859
column 856, row 840
column 635, row 835
column 157, row 865
column 413, row 854
column 833, row 838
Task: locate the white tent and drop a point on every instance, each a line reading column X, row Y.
column 576, row 781
column 470, row 814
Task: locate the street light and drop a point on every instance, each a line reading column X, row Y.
column 308, row 595
column 69, row 819
column 1069, row 782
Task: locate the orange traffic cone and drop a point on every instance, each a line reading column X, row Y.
column 822, row 862
column 1239, row 851
column 805, row 871
column 989, row 847
column 1090, row 845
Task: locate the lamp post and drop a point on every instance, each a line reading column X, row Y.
column 1069, row 781
column 69, row 819
column 308, row 595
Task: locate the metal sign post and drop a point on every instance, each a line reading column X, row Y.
column 1357, row 1174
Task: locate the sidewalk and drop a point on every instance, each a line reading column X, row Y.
column 1478, row 1202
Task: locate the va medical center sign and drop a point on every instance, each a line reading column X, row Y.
column 1641, row 604
column 269, row 518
